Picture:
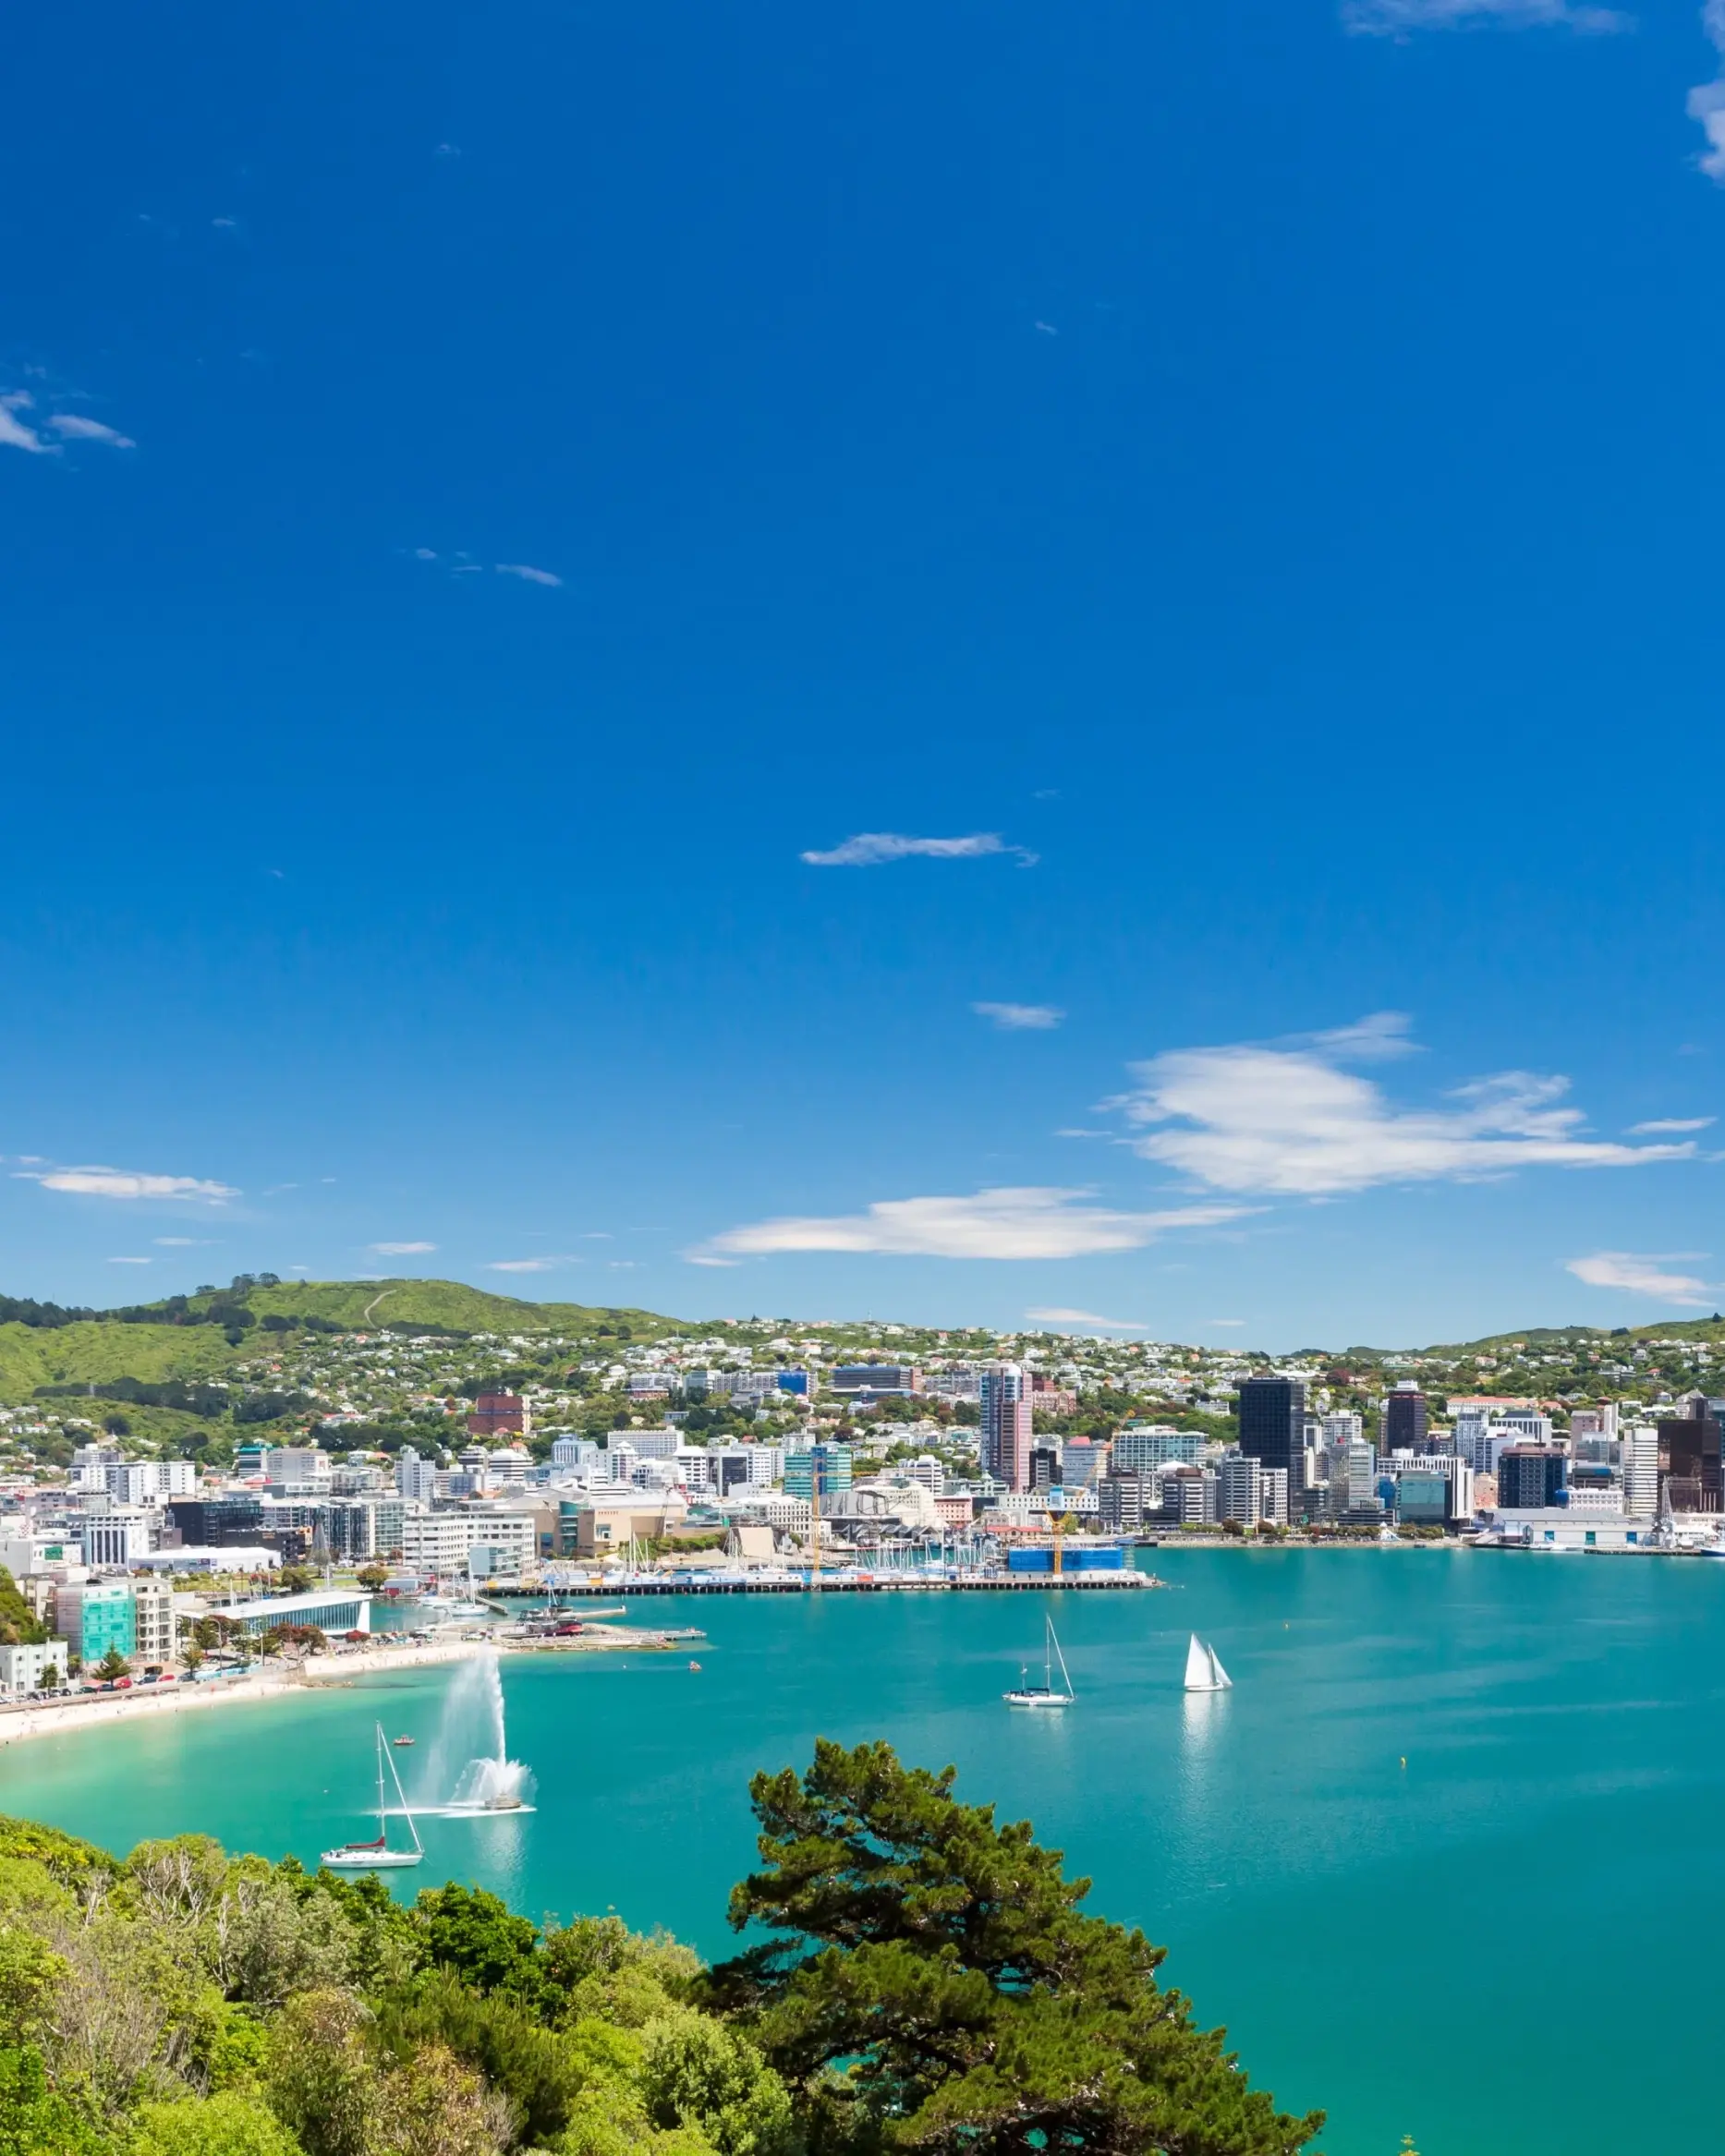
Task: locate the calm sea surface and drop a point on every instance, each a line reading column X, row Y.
column 1509, row 1946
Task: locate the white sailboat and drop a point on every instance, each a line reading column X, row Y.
column 1204, row 1671
column 377, row 1855
column 1026, row 1694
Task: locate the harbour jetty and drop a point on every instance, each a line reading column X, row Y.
column 551, row 1593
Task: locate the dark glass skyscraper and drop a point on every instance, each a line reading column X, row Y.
column 1405, row 1420
column 1272, row 1427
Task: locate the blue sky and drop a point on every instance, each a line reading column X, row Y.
column 940, row 663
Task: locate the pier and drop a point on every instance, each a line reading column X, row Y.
column 508, row 1599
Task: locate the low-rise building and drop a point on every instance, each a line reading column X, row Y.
column 603, row 1529
column 95, row 1617
column 34, row 1669
column 332, row 1609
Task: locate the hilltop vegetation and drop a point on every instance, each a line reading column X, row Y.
column 933, row 1985
column 206, row 1335
column 392, row 1361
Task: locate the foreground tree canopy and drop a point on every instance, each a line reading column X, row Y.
column 936, row 1987
column 940, row 1989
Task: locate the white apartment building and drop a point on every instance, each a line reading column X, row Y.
column 149, row 1481
column 416, row 1479
column 152, row 1603
column 33, row 1669
column 434, row 1542
column 298, row 1470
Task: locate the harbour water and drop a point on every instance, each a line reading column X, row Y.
column 1445, row 1860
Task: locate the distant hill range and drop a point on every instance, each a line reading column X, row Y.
column 202, row 1335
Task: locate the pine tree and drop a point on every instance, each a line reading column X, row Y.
column 939, row 1989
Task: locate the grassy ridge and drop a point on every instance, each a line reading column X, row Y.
column 446, row 1303
column 95, row 1350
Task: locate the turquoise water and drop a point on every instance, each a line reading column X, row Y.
column 1508, row 1947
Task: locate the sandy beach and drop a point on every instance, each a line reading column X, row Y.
column 316, row 1673
column 89, row 1709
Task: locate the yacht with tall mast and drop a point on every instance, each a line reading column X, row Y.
column 377, row 1855
column 1026, row 1694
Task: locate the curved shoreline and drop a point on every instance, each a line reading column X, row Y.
column 318, row 1673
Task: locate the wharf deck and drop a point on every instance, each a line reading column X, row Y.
column 838, row 1584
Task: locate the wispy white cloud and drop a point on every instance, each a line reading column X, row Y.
column 400, row 1248
column 1400, row 18
column 1625, row 1270
column 527, row 574
column 871, row 848
column 14, row 432
column 532, row 1265
column 1662, row 1124
column 1706, row 101
column 1022, row 1223
column 123, row 1183
column 74, row 427
column 129, row 1261
column 1020, row 1017
column 1230, row 1321
column 1087, row 1318
column 1284, row 1118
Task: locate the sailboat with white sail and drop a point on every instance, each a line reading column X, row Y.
column 377, row 1855
column 1026, row 1694
column 1204, row 1671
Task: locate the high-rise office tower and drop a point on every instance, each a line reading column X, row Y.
column 1006, row 1425
column 1272, row 1427
column 1405, row 1418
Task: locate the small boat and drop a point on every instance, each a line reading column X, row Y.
column 1026, row 1694
column 694, row 1664
column 1204, row 1671
column 377, row 1855
column 401, row 1741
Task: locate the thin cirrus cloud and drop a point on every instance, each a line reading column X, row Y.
column 532, row 1265
column 26, row 435
column 1393, row 19
column 874, row 849
column 1022, row 1223
column 1707, row 101
column 1087, row 1318
column 1286, row 1118
column 1020, row 1017
column 1634, row 1275
column 124, row 1182
column 461, row 563
column 1662, row 1125
column 400, row 1248
column 74, row 427
column 130, row 1261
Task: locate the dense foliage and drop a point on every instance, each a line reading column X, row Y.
column 942, row 1963
column 19, row 1627
column 941, row 1990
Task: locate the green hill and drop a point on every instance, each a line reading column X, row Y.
column 355, row 1305
column 98, row 1348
